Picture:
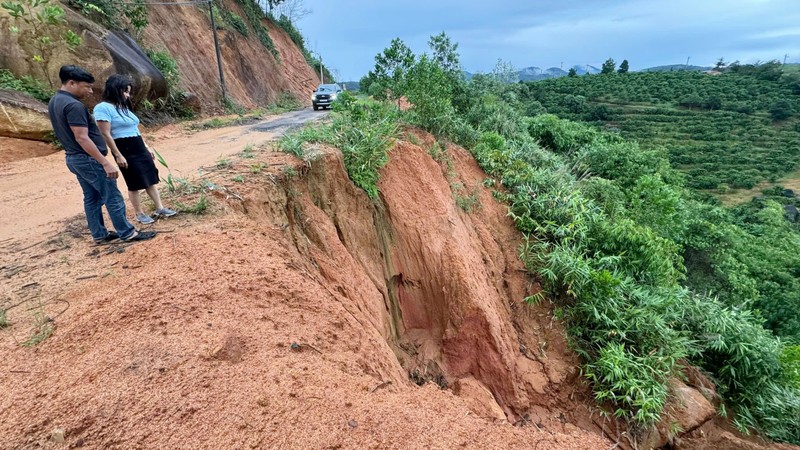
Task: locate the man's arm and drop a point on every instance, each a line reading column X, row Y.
column 82, row 136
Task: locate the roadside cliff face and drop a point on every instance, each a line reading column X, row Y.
column 253, row 75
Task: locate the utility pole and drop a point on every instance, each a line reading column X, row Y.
column 784, row 58
column 321, row 79
column 219, row 58
column 687, row 62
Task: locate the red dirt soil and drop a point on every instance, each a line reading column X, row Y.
column 291, row 319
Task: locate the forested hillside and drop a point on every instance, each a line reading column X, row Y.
column 647, row 274
column 722, row 131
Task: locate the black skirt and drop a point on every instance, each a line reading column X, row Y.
column 141, row 172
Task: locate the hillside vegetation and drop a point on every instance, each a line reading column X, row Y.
column 726, row 131
column 646, row 277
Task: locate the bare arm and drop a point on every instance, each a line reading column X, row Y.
column 82, row 136
column 105, row 131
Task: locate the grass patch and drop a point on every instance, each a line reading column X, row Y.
column 363, row 130
column 467, row 200
column 247, row 152
column 44, row 329
column 199, row 207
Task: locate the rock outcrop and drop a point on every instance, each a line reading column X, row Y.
column 23, row 117
column 253, row 75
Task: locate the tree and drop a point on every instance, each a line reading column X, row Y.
column 269, row 4
column 42, row 27
column 445, row 54
column 623, row 68
column 505, row 72
column 781, row 109
column 391, row 66
column 720, row 65
column 572, row 72
column 295, row 10
column 608, row 66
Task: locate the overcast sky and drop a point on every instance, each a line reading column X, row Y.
column 349, row 33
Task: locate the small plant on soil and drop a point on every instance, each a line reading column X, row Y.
column 247, row 153
column 256, row 168
column 467, row 201
column 3, row 319
column 198, row 207
column 44, row 328
column 238, row 179
column 289, row 171
column 223, row 163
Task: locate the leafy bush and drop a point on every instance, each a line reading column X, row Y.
column 230, row 21
column 110, row 12
column 41, row 25
column 781, row 110
column 26, row 84
column 175, row 103
column 628, row 316
column 255, row 15
column 363, row 130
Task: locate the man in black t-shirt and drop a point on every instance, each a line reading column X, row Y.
column 86, row 154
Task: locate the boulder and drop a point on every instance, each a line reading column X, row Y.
column 102, row 53
column 23, row 117
column 687, row 410
column 788, row 193
column 129, row 59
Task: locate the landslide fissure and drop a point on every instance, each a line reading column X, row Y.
column 442, row 286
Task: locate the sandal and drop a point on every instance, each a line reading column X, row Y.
column 109, row 237
column 141, row 236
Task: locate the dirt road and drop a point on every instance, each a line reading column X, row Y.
column 38, row 194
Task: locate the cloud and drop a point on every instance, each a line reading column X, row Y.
column 350, row 33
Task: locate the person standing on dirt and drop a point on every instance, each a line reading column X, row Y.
column 86, row 153
column 120, row 129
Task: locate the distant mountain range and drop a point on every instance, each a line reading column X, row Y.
column 534, row 73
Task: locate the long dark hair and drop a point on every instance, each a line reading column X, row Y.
column 113, row 93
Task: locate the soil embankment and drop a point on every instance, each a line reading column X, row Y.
column 300, row 316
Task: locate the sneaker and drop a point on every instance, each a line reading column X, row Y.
column 165, row 212
column 144, row 218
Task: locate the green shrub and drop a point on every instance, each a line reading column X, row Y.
column 110, row 12
column 626, row 313
column 175, row 102
column 26, row 84
column 255, row 16
column 363, row 130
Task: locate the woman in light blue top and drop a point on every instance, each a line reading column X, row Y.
column 120, row 129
